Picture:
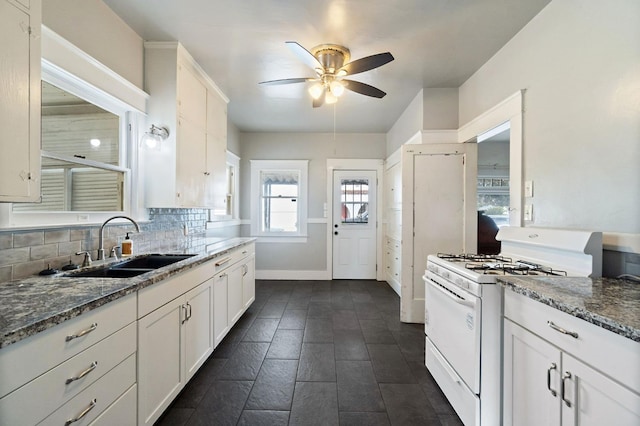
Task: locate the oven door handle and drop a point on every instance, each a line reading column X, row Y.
column 453, row 296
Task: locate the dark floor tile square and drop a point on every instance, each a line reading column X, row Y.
column 298, row 302
column 223, row 402
column 227, row 347
column 318, row 330
column 367, row 311
column 263, row 418
column 357, row 387
column 389, row 365
column 407, row 405
column 314, row 404
column 364, row 419
column 435, row 396
column 320, row 310
column 294, row 319
column 450, row 420
column 262, row 330
column 317, row 363
column 376, row 331
column 273, row 389
column 272, row 310
column 349, row 345
column 175, row 417
column 361, row 296
column 193, row 392
column 280, row 296
column 286, row 344
column 345, row 320
column 245, row 363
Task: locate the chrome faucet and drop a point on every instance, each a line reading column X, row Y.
column 101, row 240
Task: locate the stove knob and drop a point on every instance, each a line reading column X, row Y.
column 445, row 274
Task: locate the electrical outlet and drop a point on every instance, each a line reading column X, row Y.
column 528, row 188
column 528, row 212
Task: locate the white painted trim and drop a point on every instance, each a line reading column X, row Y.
column 510, row 110
column 285, row 239
column 61, row 53
column 223, row 224
column 357, row 164
column 617, row 241
column 293, row 275
column 316, row 220
column 395, row 286
column 393, row 159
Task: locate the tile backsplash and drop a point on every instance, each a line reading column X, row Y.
column 25, row 252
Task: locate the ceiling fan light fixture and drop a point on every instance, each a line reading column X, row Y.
column 330, row 98
column 337, row 89
column 316, row 90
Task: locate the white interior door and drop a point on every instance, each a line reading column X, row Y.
column 354, row 224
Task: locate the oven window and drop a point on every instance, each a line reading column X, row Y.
column 354, row 196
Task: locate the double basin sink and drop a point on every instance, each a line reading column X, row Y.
column 133, row 267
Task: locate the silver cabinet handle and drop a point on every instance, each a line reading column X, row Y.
column 567, row 375
column 84, row 413
column 562, row 330
column 223, row 261
column 83, row 332
column 553, row 367
column 92, row 367
column 189, row 311
column 184, row 314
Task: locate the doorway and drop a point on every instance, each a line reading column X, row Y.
column 354, row 224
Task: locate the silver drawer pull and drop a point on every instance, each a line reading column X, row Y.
column 223, row 261
column 92, row 367
column 84, row 413
column 83, row 332
column 562, row 330
column 553, row 367
column 567, row 375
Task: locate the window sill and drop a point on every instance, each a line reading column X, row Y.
column 281, row 239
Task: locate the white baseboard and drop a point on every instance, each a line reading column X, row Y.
column 395, row 286
column 293, row 275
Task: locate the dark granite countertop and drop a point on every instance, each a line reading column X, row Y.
column 35, row 304
column 610, row 303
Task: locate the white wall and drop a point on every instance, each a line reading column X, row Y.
column 579, row 61
column 233, row 138
column 408, row 124
column 316, row 147
column 439, row 109
column 98, row 31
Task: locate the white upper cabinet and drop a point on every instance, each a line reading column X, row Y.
column 20, row 100
column 189, row 169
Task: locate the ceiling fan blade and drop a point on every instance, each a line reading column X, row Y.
column 304, row 55
column 362, row 88
column 367, row 63
column 286, row 81
column 320, row 101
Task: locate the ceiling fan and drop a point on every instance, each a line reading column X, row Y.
column 331, row 64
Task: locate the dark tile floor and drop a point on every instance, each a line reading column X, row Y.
column 316, row 353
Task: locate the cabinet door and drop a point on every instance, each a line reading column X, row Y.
column 600, row 400
column 191, row 165
column 531, row 377
column 19, row 103
column 161, row 373
column 220, row 311
column 249, row 281
column 216, row 153
column 192, row 97
column 199, row 326
column 234, row 297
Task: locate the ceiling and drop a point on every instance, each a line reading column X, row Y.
column 436, row 44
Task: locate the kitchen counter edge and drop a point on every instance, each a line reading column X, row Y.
column 610, row 303
column 95, row 292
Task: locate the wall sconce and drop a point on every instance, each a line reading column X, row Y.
column 152, row 139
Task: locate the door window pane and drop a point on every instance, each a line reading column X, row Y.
column 355, row 200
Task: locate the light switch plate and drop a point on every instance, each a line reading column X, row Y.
column 528, row 212
column 528, row 188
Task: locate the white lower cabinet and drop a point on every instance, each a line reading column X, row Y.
column 220, row 309
column 249, row 281
column 546, row 384
column 174, row 341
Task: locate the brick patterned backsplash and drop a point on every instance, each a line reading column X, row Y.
column 27, row 252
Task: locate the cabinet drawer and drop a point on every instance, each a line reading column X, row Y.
column 40, row 397
column 97, row 397
column 152, row 297
column 233, row 257
column 31, row 357
column 122, row 412
column 594, row 345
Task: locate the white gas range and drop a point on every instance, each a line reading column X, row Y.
column 463, row 310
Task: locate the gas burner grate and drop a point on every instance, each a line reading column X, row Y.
column 471, row 257
column 520, row 267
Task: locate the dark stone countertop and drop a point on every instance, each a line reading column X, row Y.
column 32, row 305
column 610, row 303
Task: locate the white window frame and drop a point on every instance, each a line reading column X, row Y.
column 257, row 166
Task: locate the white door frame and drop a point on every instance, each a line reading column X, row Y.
column 354, row 164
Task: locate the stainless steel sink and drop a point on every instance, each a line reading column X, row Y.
column 133, row 267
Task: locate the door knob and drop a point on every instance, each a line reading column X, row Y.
column 335, row 233
column 335, row 226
